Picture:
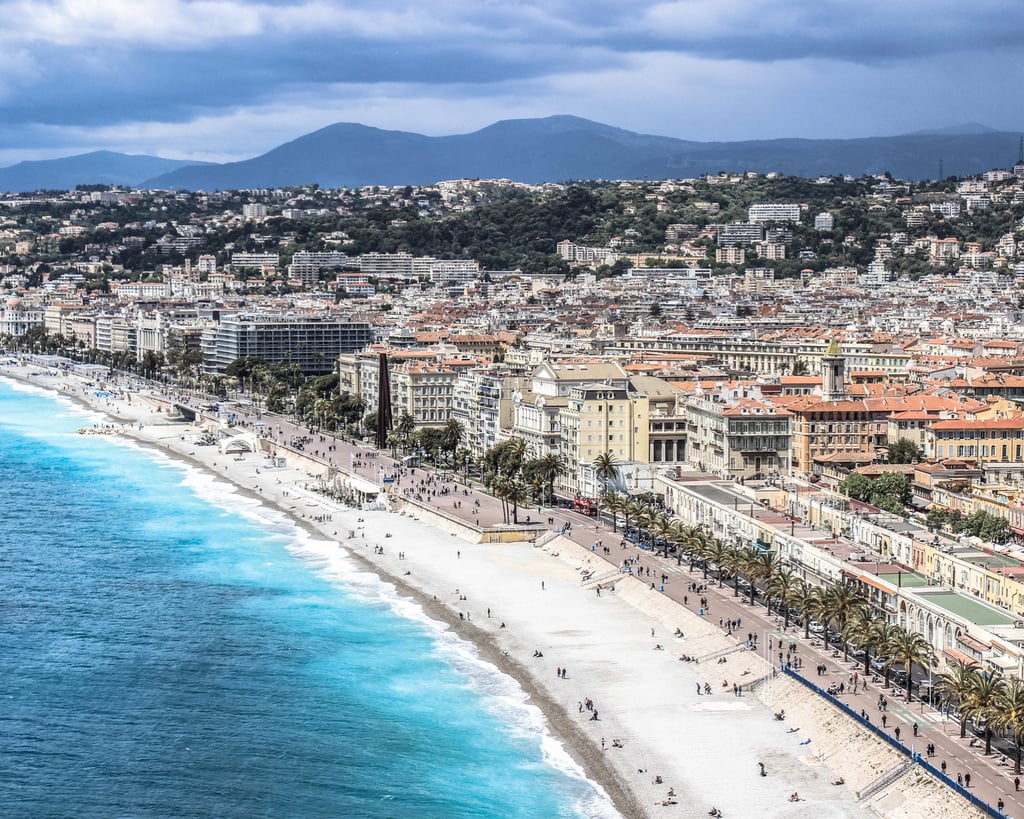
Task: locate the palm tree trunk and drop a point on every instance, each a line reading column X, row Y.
column 963, row 728
column 988, row 738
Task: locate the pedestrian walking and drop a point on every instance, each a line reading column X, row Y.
column 896, row 731
column 1016, row 783
column 915, row 729
column 884, row 718
column 967, row 779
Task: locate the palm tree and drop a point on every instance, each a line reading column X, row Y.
column 883, row 633
column 982, row 698
column 911, row 649
column 954, row 686
column 632, row 510
column 784, row 586
column 810, row 599
column 842, row 600
column 661, row 528
column 500, row 486
column 694, row 543
column 734, row 562
column 605, row 467
column 403, row 430
column 453, row 433
column 515, row 451
column 515, row 493
column 761, row 565
column 1009, row 716
column 550, row 467
column 643, row 519
column 718, row 553
column 858, row 629
column 608, row 502
column 275, row 396
column 323, row 410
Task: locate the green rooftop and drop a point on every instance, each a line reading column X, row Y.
column 970, row 609
column 906, row 580
column 994, row 560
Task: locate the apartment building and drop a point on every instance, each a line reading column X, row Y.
column 261, row 261
column 482, row 401
column 762, row 212
column 987, row 440
column 598, row 419
column 740, row 233
column 738, row 438
column 311, row 342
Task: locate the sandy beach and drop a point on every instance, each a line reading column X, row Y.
column 655, row 730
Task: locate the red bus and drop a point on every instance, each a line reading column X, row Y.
column 585, row 506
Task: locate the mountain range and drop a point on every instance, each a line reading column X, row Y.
column 552, row 149
column 97, row 167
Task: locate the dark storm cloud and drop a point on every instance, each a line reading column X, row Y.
column 97, row 64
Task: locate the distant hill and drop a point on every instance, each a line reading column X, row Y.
column 560, row 148
column 98, row 167
column 553, row 149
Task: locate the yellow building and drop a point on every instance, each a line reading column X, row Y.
column 987, row 440
column 597, row 419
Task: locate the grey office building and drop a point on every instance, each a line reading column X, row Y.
column 312, row 342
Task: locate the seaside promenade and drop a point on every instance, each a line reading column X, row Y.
column 703, row 745
column 913, row 726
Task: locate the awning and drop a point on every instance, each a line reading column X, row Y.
column 970, row 642
column 959, row 656
column 876, row 583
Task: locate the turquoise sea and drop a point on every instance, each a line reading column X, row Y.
column 171, row 648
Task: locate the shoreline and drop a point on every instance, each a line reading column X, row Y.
column 646, row 696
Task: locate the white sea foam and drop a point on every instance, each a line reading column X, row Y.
column 501, row 694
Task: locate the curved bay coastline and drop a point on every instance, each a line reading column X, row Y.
column 706, row 750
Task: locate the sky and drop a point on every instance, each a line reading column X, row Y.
column 220, row 80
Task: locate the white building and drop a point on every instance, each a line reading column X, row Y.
column 824, row 221
column 773, row 212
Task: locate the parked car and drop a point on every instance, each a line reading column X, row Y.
column 817, row 628
column 926, row 691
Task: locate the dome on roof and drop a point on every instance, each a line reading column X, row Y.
column 14, row 302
